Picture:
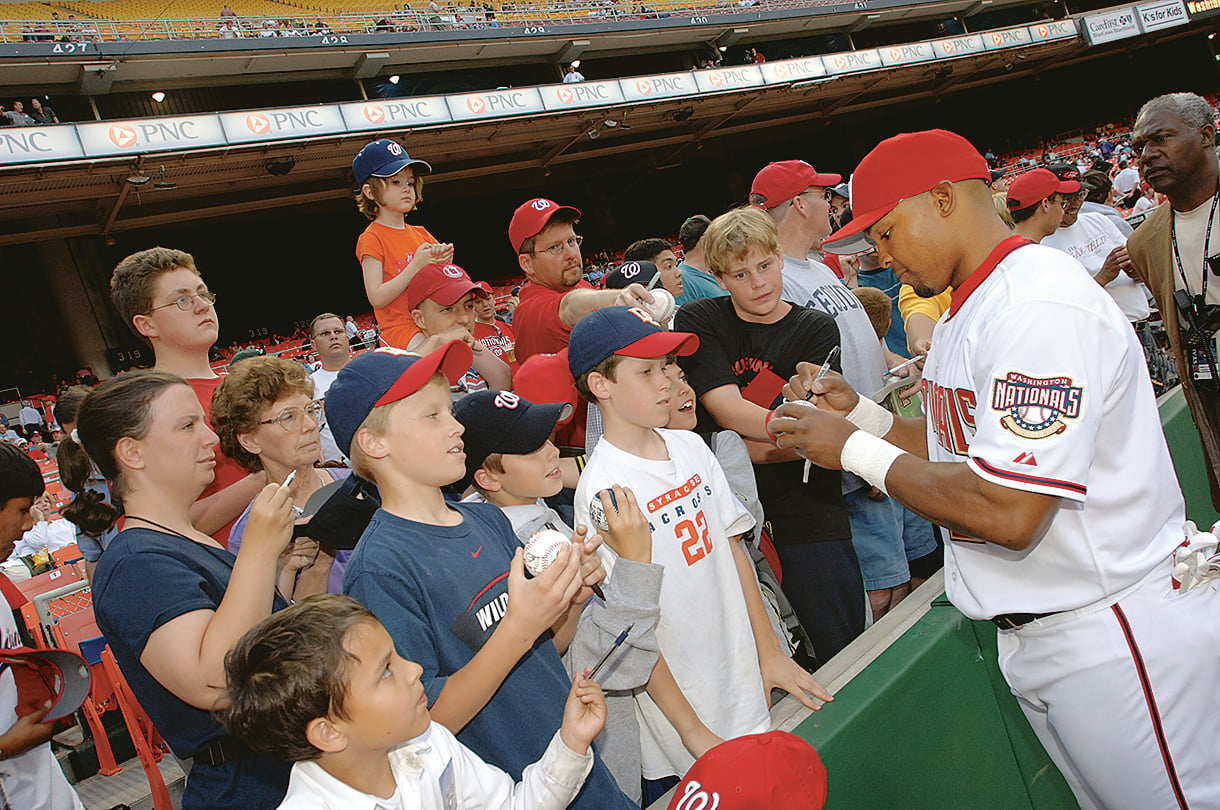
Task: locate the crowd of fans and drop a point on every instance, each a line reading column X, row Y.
column 661, row 422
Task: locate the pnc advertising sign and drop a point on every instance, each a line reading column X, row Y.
column 494, row 104
column 395, row 113
column 907, row 54
column 104, row 138
column 1059, row 29
column 958, row 46
column 646, row 88
column 581, row 94
column 852, row 61
column 1007, row 38
column 38, row 144
column 277, row 124
column 719, row 80
column 793, row 70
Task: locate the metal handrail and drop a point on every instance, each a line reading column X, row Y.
column 293, row 23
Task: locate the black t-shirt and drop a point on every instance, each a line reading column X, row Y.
column 759, row 358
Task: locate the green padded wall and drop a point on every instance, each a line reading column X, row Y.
column 1187, row 454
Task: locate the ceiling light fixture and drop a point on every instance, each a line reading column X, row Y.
column 158, row 96
column 394, row 79
column 164, row 184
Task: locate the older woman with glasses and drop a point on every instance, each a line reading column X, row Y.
column 267, row 419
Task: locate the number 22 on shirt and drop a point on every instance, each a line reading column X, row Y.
column 694, row 538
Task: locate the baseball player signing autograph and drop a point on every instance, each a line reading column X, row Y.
column 1042, row 454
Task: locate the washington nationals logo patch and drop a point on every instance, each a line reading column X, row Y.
column 1036, row 406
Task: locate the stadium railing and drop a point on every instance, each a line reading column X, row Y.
column 109, row 22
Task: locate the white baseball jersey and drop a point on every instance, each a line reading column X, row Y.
column 1089, row 241
column 1037, row 381
column 704, row 631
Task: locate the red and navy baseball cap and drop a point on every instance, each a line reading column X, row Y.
column 385, row 158
column 1036, row 185
column 547, row 378
column 504, row 422
column 644, row 273
column 898, row 168
column 770, row 770
column 629, row 331
column 781, row 181
column 443, row 283
column 532, row 216
column 58, row 677
column 383, row 376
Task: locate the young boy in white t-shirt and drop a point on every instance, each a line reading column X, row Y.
column 512, row 463
column 713, row 631
column 320, row 684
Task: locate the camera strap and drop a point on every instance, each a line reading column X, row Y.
column 1201, row 300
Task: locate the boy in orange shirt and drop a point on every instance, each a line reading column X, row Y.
column 390, row 251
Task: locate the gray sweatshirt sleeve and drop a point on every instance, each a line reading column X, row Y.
column 632, row 598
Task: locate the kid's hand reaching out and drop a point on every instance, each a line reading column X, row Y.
column 781, row 672
column 628, row 536
column 591, row 571
column 535, row 605
column 584, row 714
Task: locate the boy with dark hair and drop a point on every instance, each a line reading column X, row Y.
column 512, row 463
column 162, row 297
column 448, row 579
column 320, row 684
column 29, row 774
column 714, row 632
column 750, row 343
column 660, row 253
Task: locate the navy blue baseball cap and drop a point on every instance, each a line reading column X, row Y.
column 383, row 376
column 385, row 158
column 629, row 331
column 644, row 273
column 504, row 422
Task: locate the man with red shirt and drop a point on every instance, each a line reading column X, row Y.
column 161, row 296
column 555, row 296
column 496, row 335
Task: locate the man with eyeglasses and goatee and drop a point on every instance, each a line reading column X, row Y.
column 161, row 296
column 556, row 296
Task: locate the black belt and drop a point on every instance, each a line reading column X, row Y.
column 221, row 750
column 1015, row 621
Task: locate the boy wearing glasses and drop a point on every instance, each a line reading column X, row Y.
column 161, row 295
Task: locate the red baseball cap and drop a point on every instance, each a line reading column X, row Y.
column 771, row 770
column 532, row 216
column 1036, row 185
column 484, row 286
column 781, row 181
column 547, row 378
column 443, row 283
column 898, row 168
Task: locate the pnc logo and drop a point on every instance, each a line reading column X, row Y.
column 716, row 79
column 997, row 39
column 840, row 62
column 1043, row 31
column 565, row 95
column 453, row 271
column 476, row 104
column 781, row 71
column 506, row 399
column 258, row 123
column 644, row 86
column 895, row 54
column 122, row 135
column 374, row 114
column 947, row 47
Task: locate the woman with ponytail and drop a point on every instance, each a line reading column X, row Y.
column 82, row 478
column 169, row 599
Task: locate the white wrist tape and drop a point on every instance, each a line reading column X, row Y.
column 871, row 417
column 869, row 457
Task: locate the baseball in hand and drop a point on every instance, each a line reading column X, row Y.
column 663, row 306
column 597, row 515
column 542, row 549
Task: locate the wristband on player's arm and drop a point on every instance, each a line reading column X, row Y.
column 767, row 424
column 871, row 417
column 869, row 457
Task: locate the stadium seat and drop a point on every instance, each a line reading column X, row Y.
column 150, row 746
column 77, row 631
